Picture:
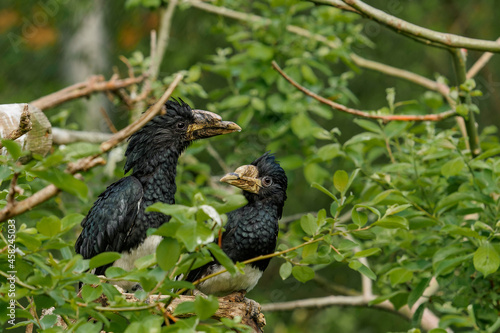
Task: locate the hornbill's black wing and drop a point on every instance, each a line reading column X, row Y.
column 109, row 221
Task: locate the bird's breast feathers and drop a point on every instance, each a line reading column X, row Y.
column 224, row 284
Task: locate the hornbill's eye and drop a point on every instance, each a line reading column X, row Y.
column 267, row 181
column 181, row 125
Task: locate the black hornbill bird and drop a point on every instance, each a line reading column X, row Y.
column 117, row 220
column 251, row 230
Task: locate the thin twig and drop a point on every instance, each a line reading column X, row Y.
column 92, row 85
column 343, row 108
column 163, row 39
column 402, row 26
column 401, row 73
column 147, row 116
column 218, row 158
column 104, row 114
column 480, row 63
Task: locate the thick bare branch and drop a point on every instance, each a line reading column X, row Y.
column 92, row 85
column 231, row 306
column 61, row 136
column 429, row 320
column 444, row 39
column 343, row 108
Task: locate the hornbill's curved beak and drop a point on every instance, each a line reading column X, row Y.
column 245, row 177
column 207, row 124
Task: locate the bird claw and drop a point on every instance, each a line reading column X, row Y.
column 237, row 296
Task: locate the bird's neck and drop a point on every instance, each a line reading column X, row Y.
column 273, row 204
column 157, row 174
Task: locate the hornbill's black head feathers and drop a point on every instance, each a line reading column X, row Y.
column 174, row 131
column 264, row 178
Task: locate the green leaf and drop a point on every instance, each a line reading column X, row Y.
column 285, row 270
column 325, row 191
column 367, row 252
column 205, row 307
column 486, row 259
column 222, row 258
column 90, row 293
column 340, row 181
column 438, row 330
column 69, row 221
column 453, row 167
column 13, row 148
column 457, row 197
column 329, row 152
column 260, row 51
column 235, row 102
column 308, row 74
column 169, row 209
column 433, row 99
column 394, row 209
column 391, row 97
column 48, row 321
column 309, row 224
column 145, row 261
column 303, row 273
column 103, row 259
column 359, row 218
column 358, row 266
column 392, row 222
column 314, row 173
column 231, row 203
column 168, row 253
column 400, row 275
column 309, row 250
column 64, row 181
column 183, row 308
column 368, row 125
column 418, row 291
column 49, row 226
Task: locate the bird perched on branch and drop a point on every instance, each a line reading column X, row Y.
column 117, row 220
column 251, row 230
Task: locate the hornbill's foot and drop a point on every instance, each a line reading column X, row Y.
column 237, row 296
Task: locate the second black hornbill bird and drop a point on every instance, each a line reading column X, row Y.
column 117, row 221
column 251, row 230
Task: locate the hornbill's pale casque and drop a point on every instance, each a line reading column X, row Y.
column 117, row 220
column 251, row 230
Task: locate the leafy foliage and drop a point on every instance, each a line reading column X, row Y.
column 402, row 204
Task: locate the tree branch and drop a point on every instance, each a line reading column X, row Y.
column 470, row 122
column 91, row 85
column 24, row 127
column 343, row 108
column 61, row 136
column 480, row 63
column 444, row 39
column 147, row 116
column 401, row 73
column 429, row 320
column 230, row 306
column 358, row 60
column 91, row 161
